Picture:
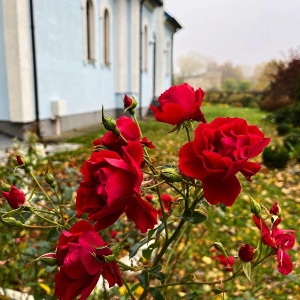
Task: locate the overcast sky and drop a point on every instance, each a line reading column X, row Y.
column 241, row 31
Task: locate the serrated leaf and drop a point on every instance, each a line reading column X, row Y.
column 144, row 279
column 247, row 269
column 135, row 248
column 197, row 217
column 155, row 293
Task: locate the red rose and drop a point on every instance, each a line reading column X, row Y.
column 179, row 103
column 129, row 130
column 280, row 240
column 14, row 197
column 81, row 255
column 246, row 253
column 219, row 151
column 111, row 186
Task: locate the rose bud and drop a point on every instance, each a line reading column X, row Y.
column 110, row 124
column 170, row 174
column 275, row 209
column 246, row 253
column 129, row 104
column 49, row 259
column 219, row 246
column 11, row 222
column 14, row 197
column 255, row 208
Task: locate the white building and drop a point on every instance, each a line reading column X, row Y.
column 61, row 60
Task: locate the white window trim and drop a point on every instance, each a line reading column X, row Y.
column 93, row 42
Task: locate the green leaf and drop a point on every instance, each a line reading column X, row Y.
column 155, row 293
column 159, row 229
column 247, row 269
column 144, row 279
column 197, row 217
column 148, row 252
column 157, row 274
column 135, row 248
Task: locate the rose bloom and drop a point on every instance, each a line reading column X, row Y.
column 111, row 186
column 246, row 252
column 218, row 152
column 179, row 103
column 280, row 240
column 14, row 197
column 81, row 255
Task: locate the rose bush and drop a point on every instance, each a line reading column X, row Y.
column 164, row 202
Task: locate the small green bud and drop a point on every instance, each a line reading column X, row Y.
column 49, row 259
column 49, row 178
column 110, row 124
column 255, row 208
column 219, row 246
column 170, row 174
column 11, row 222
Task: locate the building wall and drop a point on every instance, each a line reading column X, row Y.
column 63, row 72
column 80, row 86
column 4, row 111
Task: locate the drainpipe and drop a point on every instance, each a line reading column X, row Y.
column 154, row 67
column 34, row 65
column 141, row 60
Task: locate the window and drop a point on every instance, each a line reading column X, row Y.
column 145, row 49
column 90, row 30
column 106, row 38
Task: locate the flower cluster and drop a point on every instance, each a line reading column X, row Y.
column 113, row 184
column 279, row 240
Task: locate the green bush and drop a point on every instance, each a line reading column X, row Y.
column 275, row 156
column 283, row 129
column 291, row 140
column 296, row 153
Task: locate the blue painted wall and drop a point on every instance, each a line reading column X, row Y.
column 62, row 71
column 4, row 107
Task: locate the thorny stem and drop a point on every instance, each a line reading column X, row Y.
column 41, row 188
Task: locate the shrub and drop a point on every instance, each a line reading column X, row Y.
column 283, row 129
column 291, row 140
column 275, row 156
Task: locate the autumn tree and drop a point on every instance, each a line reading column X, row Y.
column 282, row 90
